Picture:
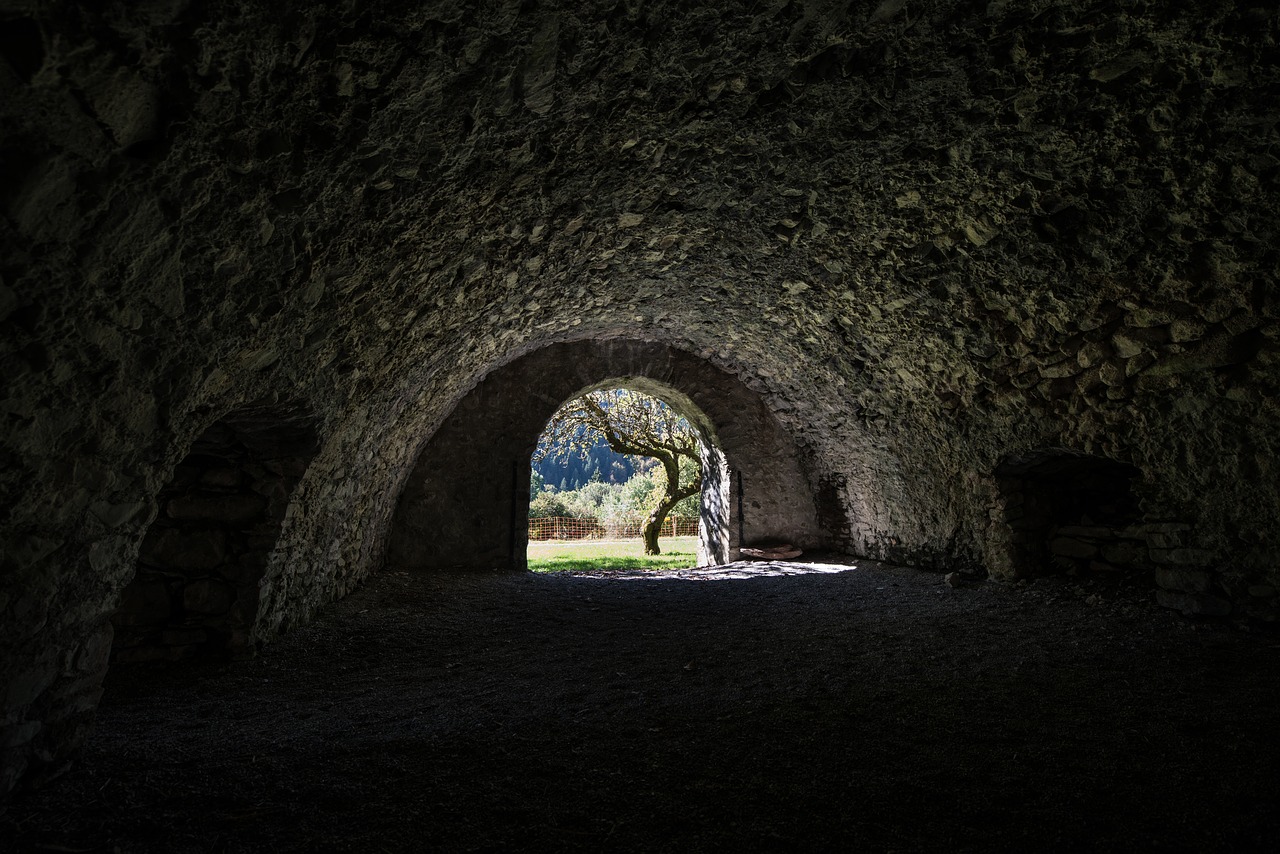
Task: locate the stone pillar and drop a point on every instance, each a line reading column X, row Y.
column 717, row 518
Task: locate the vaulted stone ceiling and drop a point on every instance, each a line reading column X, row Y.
column 931, row 236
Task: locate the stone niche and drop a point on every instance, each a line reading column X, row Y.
column 1073, row 513
column 465, row 504
column 196, row 590
column 1062, row 511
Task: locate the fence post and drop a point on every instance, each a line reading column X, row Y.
column 564, row 527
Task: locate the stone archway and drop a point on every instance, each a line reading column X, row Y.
column 202, row 561
column 718, row 542
column 465, row 503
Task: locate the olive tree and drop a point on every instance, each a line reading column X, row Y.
column 636, row 424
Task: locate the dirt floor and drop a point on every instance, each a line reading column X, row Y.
column 803, row 706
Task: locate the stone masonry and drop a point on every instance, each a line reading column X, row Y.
column 919, row 240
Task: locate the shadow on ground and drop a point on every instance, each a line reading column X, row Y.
column 749, row 707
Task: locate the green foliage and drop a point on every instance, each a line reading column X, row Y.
column 642, row 492
column 550, row 503
column 604, row 501
column 685, row 508
column 646, row 489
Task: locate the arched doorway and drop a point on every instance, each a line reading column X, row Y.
column 615, row 470
column 465, row 504
column 202, row 561
column 715, row 538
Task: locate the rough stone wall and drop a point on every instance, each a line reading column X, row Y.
column 466, row 502
column 203, row 561
column 929, row 235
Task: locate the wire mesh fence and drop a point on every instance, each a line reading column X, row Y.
column 565, row 528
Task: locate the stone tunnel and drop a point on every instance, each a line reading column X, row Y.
column 964, row 286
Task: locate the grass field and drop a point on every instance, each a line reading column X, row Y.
column 587, row 555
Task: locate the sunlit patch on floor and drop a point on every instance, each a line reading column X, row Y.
column 738, row 571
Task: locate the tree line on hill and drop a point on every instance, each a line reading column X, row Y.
column 596, row 499
column 573, row 471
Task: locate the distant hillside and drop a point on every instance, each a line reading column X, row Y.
column 575, row 470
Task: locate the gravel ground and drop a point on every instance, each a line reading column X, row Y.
column 798, row 706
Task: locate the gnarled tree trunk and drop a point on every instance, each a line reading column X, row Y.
column 672, row 496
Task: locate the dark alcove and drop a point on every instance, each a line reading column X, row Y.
column 1071, row 512
column 201, row 563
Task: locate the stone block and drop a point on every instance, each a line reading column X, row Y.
column 289, row 467
column 1001, row 568
column 1198, row 604
column 240, row 645
column 1125, row 347
column 144, row 603
column 1070, row 547
column 1261, row 591
column 107, row 555
column 261, row 538
column 1208, row 354
column 1242, row 322
column 115, row 515
column 1146, row 317
column 1174, row 530
column 1182, row 557
column 12, row 767
column 184, row 637
column 18, row 734
column 76, row 697
column 1166, row 527
column 94, row 652
column 1263, row 610
column 1094, row 531
column 1123, row 552
column 1025, row 380
column 244, row 611
column 1091, row 354
column 1060, row 370
column 246, row 569
column 26, row 686
column 221, row 477
column 175, row 548
column 1138, row 363
column 128, row 105
column 139, row 653
column 235, row 507
column 1160, row 540
column 207, row 596
column 1185, row 580
column 1111, row 374
column 1181, row 331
